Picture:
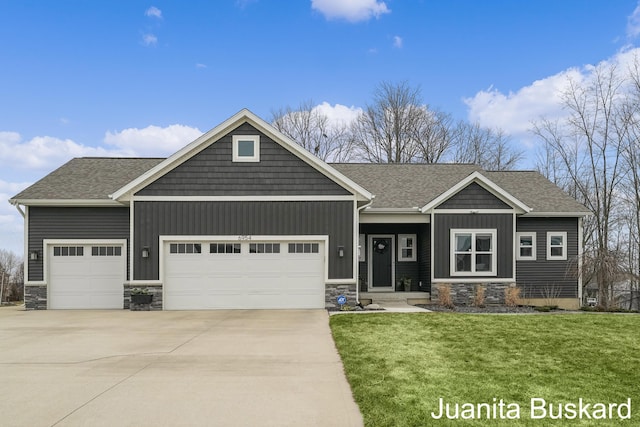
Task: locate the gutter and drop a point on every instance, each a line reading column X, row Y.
column 17, row 205
column 365, row 206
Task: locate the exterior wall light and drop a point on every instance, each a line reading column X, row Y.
column 340, row 251
column 145, row 252
column 33, row 255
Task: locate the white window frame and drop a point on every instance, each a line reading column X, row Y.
column 519, row 246
column 494, row 252
column 256, row 148
column 402, row 239
column 550, row 235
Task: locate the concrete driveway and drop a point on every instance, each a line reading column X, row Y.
column 207, row 368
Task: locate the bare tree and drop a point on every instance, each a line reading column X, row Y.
column 386, row 131
column 490, row 149
column 9, row 263
column 589, row 143
column 309, row 127
column 434, row 135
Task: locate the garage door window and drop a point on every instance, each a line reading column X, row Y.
column 304, row 248
column 68, row 251
column 264, row 248
column 106, row 251
column 185, row 248
column 224, row 248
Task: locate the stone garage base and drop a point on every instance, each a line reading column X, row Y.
column 332, row 292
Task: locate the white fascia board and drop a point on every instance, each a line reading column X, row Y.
column 394, row 218
column 222, row 129
column 256, row 198
column 558, row 214
column 487, row 184
column 66, row 202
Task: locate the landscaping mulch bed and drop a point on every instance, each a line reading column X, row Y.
column 485, row 309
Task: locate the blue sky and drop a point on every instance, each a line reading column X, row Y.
column 134, row 78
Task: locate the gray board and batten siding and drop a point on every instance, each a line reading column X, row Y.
column 473, row 196
column 243, row 218
column 544, row 278
column 442, row 225
column 212, row 172
column 72, row 223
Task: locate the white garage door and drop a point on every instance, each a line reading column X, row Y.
column 85, row 276
column 245, row 275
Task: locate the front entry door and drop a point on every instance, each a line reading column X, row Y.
column 381, row 263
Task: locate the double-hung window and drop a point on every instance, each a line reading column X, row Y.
column 526, row 246
column 557, row 245
column 473, row 252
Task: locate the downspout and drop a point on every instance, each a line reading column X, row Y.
column 357, row 240
column 17, row 205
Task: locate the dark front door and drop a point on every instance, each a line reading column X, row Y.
column 381, row 263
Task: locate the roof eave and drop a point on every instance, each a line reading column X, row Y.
column 65, row 202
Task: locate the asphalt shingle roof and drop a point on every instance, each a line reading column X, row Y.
column 88, row 178
column 394, row 185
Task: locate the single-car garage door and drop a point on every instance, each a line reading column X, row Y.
column 86, row 276
column 244, row 275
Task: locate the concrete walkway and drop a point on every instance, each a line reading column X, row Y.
column 208, row 368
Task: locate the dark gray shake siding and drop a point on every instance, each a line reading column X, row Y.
column 419, row 270
column 212, row 173
column 473, row 196
column 332, row 218
column 443, row 223
column 72, row 223
column 542, row 278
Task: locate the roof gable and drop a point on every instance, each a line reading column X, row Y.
column 474, row 196
column 216, row 134
column 484, row 182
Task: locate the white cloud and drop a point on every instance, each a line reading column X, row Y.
column 153, row 12
column 397, row 42
column 44, row 152
column 633, row 23
column 11, row 223
column 338, row 114
column 152, row 140
column 514, row 112
column 201, row 66
column 350, row 10
column 149, row 40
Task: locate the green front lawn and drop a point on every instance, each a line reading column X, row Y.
column 400, row 365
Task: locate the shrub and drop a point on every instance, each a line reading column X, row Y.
column 512, row 296
column 478, row 298
column 444, row 296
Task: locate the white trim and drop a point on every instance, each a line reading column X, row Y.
column 131, row 240
column 485, row 183
column 66, row 202
column 386, row 218
column 565, row 246
column 150, row 282
column 236, row 157
column 256, row 198
column 475, row 280
column 534, row 245
column 558, row 214
column 25, row 264
column 222, row 129
column 432, row 250
column 494, row 252
column 356, row 234
column 474, row 211
column 514, row 263
column 36, row 283
column 580, row 254
column 340, row 281
column 362, row 247
column 370, row 210
column 414, row 248
column 78, row 242
column 370, row 287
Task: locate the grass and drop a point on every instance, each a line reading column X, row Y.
column 399, row 365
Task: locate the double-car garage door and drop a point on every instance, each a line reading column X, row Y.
column 243, row 274
column 205, row 274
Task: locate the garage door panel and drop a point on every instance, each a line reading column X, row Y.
column 262, row 275
column 84, row 280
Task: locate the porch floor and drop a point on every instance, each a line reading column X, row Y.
column 410, row 298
